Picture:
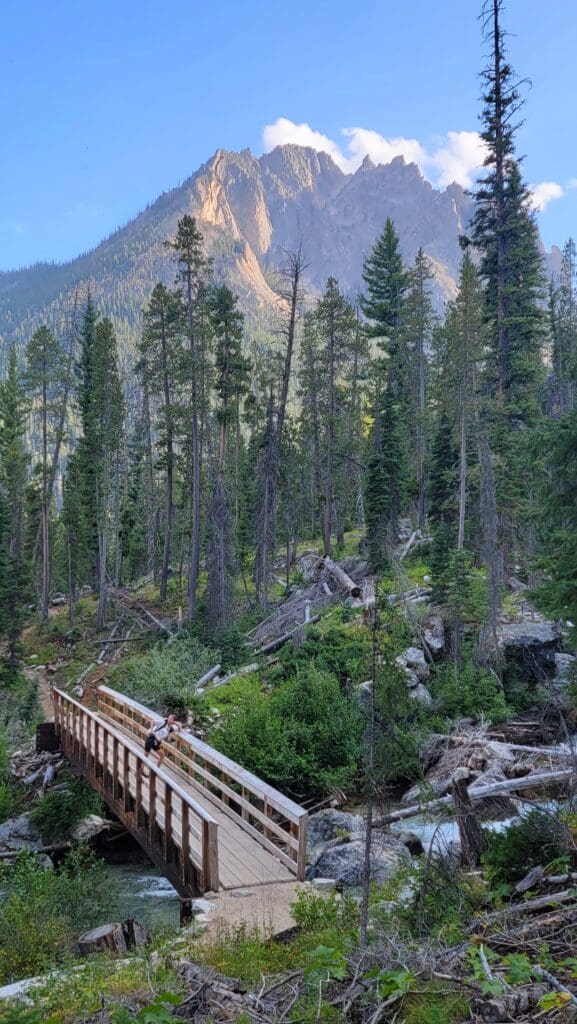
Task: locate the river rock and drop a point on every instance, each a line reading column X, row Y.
column 329, row 824
column 20, row 834
column 345, row 863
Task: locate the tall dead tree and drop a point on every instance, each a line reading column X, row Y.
column 292, row 272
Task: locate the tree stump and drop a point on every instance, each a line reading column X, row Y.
column 135, row 934
column 107, row 938
column 470, row 832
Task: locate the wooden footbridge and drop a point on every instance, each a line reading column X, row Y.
column 206, row 822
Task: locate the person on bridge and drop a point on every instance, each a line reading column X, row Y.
column 160, row 733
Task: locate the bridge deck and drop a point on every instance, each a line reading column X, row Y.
column 241, row 860
column 205, row 821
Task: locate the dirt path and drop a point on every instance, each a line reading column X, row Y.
column 264, row 907
column 39, row 675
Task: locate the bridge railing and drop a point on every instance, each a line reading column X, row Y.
column 165, row 818
column 273, row 820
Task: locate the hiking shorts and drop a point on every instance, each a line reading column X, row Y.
column 151, row 743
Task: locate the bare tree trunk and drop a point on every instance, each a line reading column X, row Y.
column 293, row 270
column 487, row 650
column 329, row 468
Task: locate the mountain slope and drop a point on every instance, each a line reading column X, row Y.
column 250, row 211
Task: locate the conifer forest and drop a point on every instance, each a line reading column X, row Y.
column 335, row 536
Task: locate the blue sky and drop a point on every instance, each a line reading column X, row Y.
column 105, row 105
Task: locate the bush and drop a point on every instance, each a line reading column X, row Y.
column 538, row 838
column 57, row 813
column 318, row 912
column 45, row 909
column 472, row 693
column 304, row 737
column 344, row 652
column 165, row 677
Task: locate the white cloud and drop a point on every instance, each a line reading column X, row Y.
column 459, row 158
column 455, row 158
column 284, row 132
column 545, row 192
column 364, row 142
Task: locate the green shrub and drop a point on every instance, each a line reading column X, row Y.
column 318, row 912
column 345, row 652
column 45, row 909
column 471, row 693
column 164, row 678
column 58, row 811
column 304, row 737
column 537, row 838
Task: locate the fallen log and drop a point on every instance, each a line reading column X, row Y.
column 552, row 899
column 341, row 577
column 244, row 671
column 511, row 1004
column 280, row 640
column 407, row 547
column 212, row 672
column 536, row 780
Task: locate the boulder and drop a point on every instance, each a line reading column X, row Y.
column 413, row 658
column 432, row 749
column 20, row 834
column 324, row 884
column 331, row 824
column 563, row 668
column 434, row 634
column 412, row 842
column 345, row 863
column 529, row 649
column 421, row 694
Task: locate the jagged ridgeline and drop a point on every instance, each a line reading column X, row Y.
column 250, row 211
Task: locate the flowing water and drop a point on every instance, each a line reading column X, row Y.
column 144, row 894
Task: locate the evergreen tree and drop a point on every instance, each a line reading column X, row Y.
column 418, row 320
column 45, row 381
column 232, row 370
column 337, row 324
column 14, row 463
column 193, row 268
column 386, row 285
column 162, row 365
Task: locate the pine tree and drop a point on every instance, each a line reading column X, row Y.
column 193, row 269
column 337, row 324
column 44, row 380
column 418, row 318
column 386, row 285
column 232, row 370
column 107, row 421
column 505, row 234
column 14, row 463
column 162, row 364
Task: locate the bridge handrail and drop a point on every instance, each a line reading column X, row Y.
column 289, row 824
column 207, row 859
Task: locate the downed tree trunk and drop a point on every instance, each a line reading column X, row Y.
column 407, row 547
column 107, row 938
column 280, row 640
column 553, row 899
column 537, row 780
column 341, row 576
column 473, row 842
column 511, row 1004
column 244, row 671
column 212, row 672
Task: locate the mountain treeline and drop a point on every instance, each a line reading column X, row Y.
column 222, row 449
